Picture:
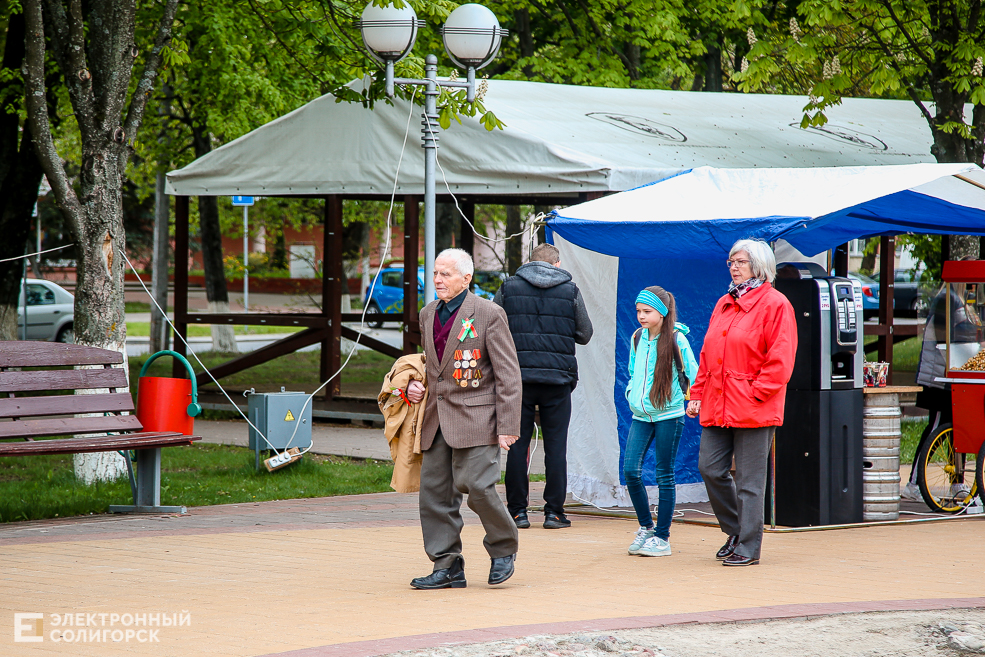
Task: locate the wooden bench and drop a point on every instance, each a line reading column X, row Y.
column 26, row 416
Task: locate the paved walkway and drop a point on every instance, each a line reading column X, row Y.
column 329, row 577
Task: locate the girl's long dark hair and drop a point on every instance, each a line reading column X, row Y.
column 663, row 370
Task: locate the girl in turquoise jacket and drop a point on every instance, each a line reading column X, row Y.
column 657, row 400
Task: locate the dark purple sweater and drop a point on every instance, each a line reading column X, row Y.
column 441, row 333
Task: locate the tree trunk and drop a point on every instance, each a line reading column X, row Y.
column 522, row 22
column 18, row 194
column 159, row 332
column 100, row 320
column 446, row 223
column 964, row 246
column 223, row 337
column 514, row 247
column 20, row 177
column 367, row 277
column 713, row 69
column 542, row 229
column 868, row 264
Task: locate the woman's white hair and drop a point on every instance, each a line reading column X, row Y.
column 761, row 258
column 463, row 261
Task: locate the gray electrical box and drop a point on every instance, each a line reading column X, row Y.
column 276, row 414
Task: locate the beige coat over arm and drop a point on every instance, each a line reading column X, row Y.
column 402, row 422
column 475, row 414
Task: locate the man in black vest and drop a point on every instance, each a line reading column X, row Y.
column 547, row 318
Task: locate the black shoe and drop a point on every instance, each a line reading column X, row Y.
column 556, row 521
column 446, row 578
column 728, row 548
column 739, row 560
column 502, row 569
column 520, row 518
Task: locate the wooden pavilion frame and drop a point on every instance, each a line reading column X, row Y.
column 327, row 327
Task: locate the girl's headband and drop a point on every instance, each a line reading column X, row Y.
column 652, row 300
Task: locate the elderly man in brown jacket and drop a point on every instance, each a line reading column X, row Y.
column 473, row 410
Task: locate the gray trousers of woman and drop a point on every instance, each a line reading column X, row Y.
column 738, row 504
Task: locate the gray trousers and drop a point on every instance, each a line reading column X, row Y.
column 446, row 475
column 739, row 504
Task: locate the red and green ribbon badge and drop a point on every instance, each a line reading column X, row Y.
column 468, row 331
column 398, row 391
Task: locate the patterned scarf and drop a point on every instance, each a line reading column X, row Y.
column 738, row 289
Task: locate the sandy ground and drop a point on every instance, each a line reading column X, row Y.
column 948, row 633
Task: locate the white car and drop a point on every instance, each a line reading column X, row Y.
column 50, row 312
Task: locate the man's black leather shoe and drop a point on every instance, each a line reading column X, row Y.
column 739, row 560
column 521, row 520
column 445, row 578
column 728, row 548
column 556, row 521
column 502, row 569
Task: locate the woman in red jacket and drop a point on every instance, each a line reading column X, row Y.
column 745, row 363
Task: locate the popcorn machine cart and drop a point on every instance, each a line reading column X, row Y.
column 949, row 479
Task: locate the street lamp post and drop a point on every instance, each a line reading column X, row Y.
column 471, row 36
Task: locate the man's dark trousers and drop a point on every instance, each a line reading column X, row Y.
column 555, row 414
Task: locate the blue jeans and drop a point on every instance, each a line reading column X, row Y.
column 667, row 436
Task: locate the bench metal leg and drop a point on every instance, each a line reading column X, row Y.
column 147, row 498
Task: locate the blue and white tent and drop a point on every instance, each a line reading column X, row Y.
column 677, row 233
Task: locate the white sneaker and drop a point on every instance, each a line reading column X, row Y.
column 642, row 535
column 911, row 492
column 960, row 491
column 655, row 547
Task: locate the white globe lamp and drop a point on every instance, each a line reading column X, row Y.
column 472, row 36
column 389, row 33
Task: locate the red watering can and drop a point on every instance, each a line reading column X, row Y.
column 166, row 404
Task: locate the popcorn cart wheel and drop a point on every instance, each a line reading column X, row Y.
column 950, row 464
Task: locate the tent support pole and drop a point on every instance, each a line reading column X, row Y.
column 332, row 277
column 412, row 238
column 180, row 282
column 887, row 274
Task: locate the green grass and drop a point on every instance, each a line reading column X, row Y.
column 911, row 431
column 39, row 487
column 203, row 330
column 906, row 354
column 136, row 307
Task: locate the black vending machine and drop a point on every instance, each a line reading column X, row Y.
column 818, row 463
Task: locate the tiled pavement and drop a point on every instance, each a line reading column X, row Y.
column 330, row 576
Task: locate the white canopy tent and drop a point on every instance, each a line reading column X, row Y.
column 559, row 140
column 677, row 233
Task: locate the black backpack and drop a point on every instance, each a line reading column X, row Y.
column 682, row 379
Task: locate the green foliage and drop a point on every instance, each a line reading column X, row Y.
column 927, row 52
column 925, row 249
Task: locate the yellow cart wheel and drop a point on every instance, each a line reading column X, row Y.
column 941, row 475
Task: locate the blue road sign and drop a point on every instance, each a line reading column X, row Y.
column 242, row 200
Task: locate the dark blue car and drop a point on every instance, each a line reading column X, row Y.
column 388, row 295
